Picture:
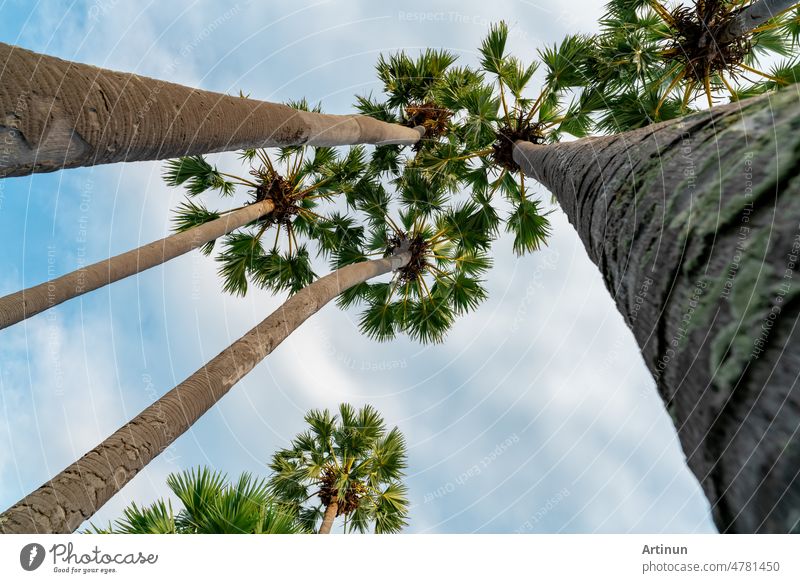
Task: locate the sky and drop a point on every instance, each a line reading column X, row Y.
column 537, row 414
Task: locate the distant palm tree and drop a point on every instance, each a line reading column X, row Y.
column 351, row 464
column 63, row 115
column 211, row 505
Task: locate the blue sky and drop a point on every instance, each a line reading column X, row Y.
column 542, row 389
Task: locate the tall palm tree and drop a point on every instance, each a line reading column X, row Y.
column 661, row 213
column 352, row 464
column 211, row 505
column 436, row 265
column 693, row 223
column 63, row 503
column 273, row 199
column 60, row 114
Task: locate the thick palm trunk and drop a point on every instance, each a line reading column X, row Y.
column 58, row 114
column 29, row 302
column 66, row 501
column 754, row 16
column 695, row 226
column 329, row 517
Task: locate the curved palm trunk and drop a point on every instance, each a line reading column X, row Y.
column 72, row 496
column 695, row 226
column 33, row 300
column 58, row 114
column 754, row 16
column 329, row 517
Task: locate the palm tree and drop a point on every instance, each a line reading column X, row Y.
column 352, row 464
column 694, row 224
column 73, row 495
column 436, row 249
column 437, row 266
column 659, row 211
column 273, row 199
column 651, row 63
column 64, row 115
column 211, row 505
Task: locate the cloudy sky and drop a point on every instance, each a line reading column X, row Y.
column 542, row 389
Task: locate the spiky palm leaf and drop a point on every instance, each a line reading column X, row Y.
column 211, row 505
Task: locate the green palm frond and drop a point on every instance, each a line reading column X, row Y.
column 157, row 518
column 529, row 226
column 367, row 105
column 211, row 505
column 189, row 215
column 196, row 175
column 281, row 272
column 565, row 62
column 240, row 254
column 493, row 48
column 391, row 509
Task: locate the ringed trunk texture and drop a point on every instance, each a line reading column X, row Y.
column 63, row 503
column 33, row 300
column 695, row 226
column 754, row 16
column 329, row 517
column 58, row 114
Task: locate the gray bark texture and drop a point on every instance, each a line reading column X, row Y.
column 754, row 16
column 63, row 503
column 58, row 114
column 695, row 226
column 23, row 304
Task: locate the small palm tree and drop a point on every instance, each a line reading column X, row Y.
column 211, row 505
column 352, row 464
column 652, row 63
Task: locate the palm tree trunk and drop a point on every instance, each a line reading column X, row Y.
column 695, row 226
column 754, row 16
column 58, row 114
column 329, row 517
column 72, row 496
column 31, row 301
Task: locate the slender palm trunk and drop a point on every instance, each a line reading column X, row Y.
column 33, row 300
column 329, row 517
column 72, row 496
column 695, row 226
column 754, row 16
column 58, row 114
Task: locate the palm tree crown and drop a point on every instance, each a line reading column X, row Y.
column 349, row 460
column 211, row 505
column 652, row 63
column 487, row 110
